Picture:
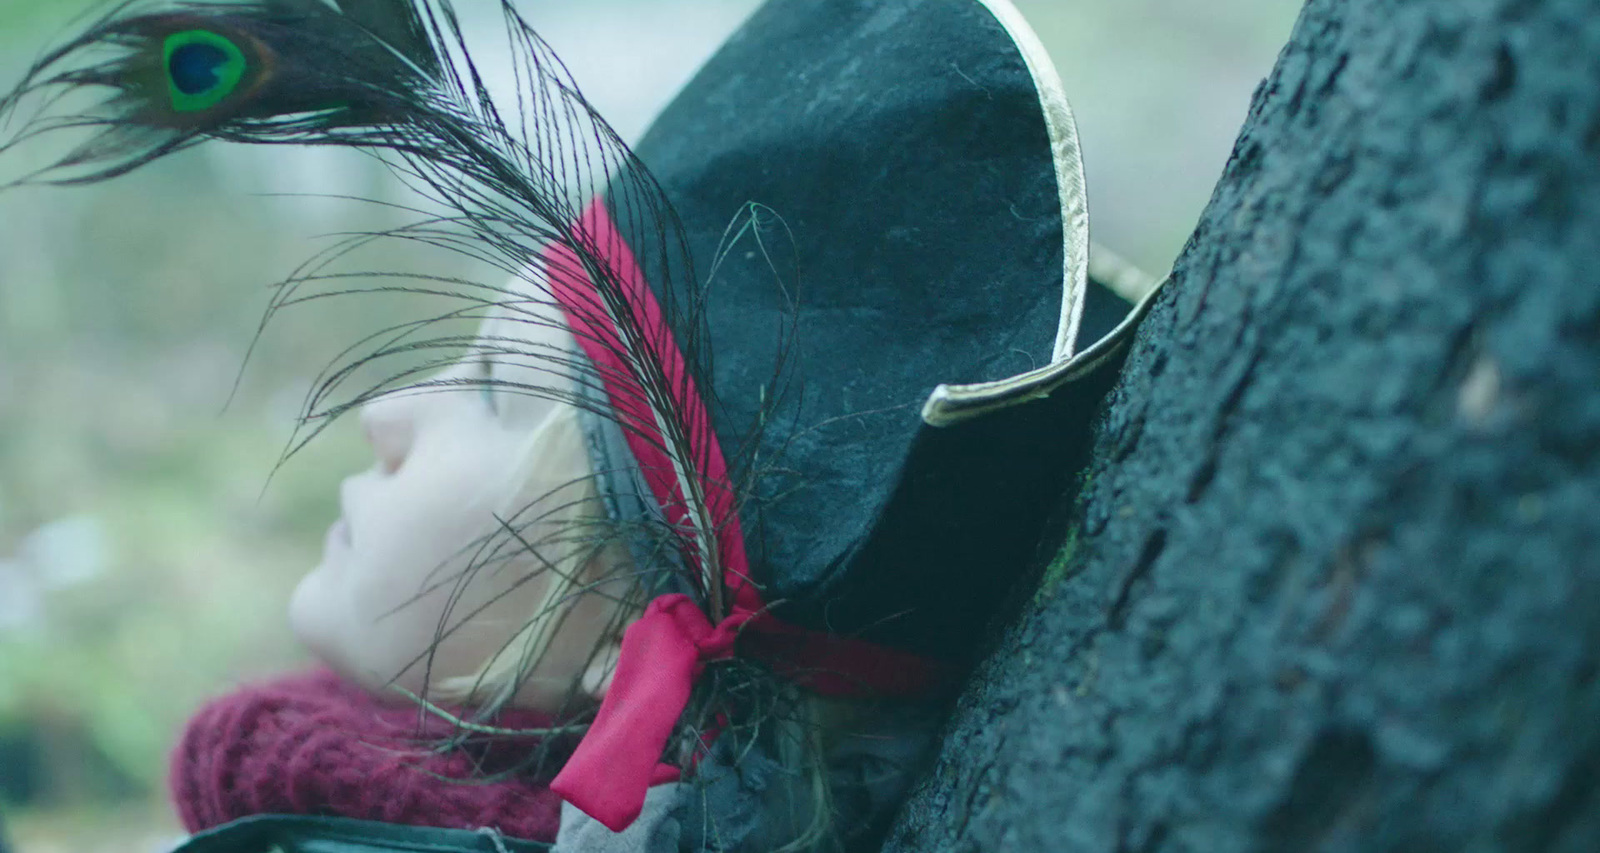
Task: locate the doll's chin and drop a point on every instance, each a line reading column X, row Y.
column 307, row 621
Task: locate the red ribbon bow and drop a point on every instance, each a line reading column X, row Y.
column 663, row 653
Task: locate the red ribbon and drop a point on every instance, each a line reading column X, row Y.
column 663, row 653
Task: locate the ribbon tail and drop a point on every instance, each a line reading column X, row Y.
column 619, row 758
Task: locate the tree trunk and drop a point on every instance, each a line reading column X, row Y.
column 1334, row 577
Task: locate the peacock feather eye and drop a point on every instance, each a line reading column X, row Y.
column 203, row 69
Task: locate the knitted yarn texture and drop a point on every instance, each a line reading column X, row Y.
column 315, row 744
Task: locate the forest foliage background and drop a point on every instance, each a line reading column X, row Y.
column 148, row 540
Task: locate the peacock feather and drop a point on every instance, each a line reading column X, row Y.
column 297, row 71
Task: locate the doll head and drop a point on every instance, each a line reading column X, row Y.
column 470, row 562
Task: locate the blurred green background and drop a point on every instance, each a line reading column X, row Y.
column 146, row 546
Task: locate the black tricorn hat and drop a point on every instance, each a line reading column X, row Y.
column 904, row 180
column 877, row 372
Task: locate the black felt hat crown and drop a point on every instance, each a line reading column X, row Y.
column 884, row 201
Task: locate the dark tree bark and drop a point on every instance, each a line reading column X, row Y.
column 1334, row 577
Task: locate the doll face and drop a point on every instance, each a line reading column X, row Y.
column 420, row 583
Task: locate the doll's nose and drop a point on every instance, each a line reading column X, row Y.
column 390, row 429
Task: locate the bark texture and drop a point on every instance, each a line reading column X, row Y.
column 1333, row 582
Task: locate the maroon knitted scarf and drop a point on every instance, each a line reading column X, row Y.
column 314, row 744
